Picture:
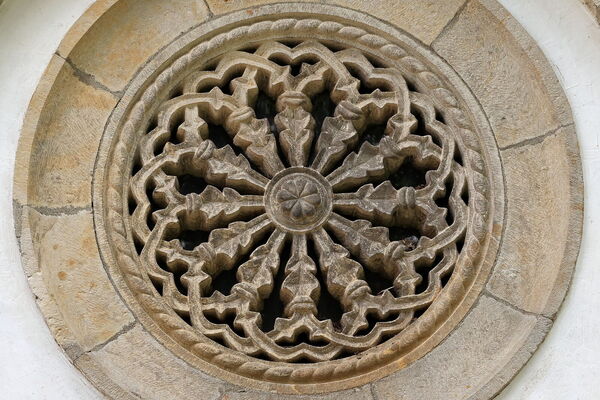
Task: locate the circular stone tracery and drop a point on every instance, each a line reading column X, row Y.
column 298, row 199
column 318, row 204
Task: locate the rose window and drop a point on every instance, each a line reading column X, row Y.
column 298, row 203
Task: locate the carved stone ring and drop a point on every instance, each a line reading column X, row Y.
column 300, row 202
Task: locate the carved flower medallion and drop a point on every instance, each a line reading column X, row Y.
column 301, row 200
column 298, row 199
column 304, row 201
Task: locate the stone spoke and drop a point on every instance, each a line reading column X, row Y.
column 256, row 276
column 372, row 246
column 222, row 250
column 255, row 279
column 358, row 168
column 378, row 204
column 344, row 278
column 366, row 242
column 229, row 244
column 300, row 289
column 213, row 208
column 248, row 133
column 376, row 162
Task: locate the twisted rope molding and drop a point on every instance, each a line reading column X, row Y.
column 205, row 348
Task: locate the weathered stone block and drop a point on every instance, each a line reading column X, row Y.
column 138, row 364
column 540, row 177
column 493, row 332
column 69, row 129
column 77, row 286
column 128, row 34
column 423, row 19
column 519, row 94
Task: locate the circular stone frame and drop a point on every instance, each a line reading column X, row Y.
column 496, row 329
column 428, row 73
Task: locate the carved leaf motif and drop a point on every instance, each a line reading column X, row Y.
column 337, row 135
column 344, row 276
column 224, row 168
column 230, row 243
column 255, row 276
column 379, row 204
column 255, row 283
column 255, row 138
column 361, row 238
column 295, row 134
column 368, row 163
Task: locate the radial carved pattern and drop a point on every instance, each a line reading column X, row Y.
column 297, row 202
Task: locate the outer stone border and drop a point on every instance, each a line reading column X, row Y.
column 523, row 101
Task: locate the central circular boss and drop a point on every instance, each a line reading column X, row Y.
column 298, row 199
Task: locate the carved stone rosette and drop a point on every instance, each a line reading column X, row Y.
column 299, row 200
